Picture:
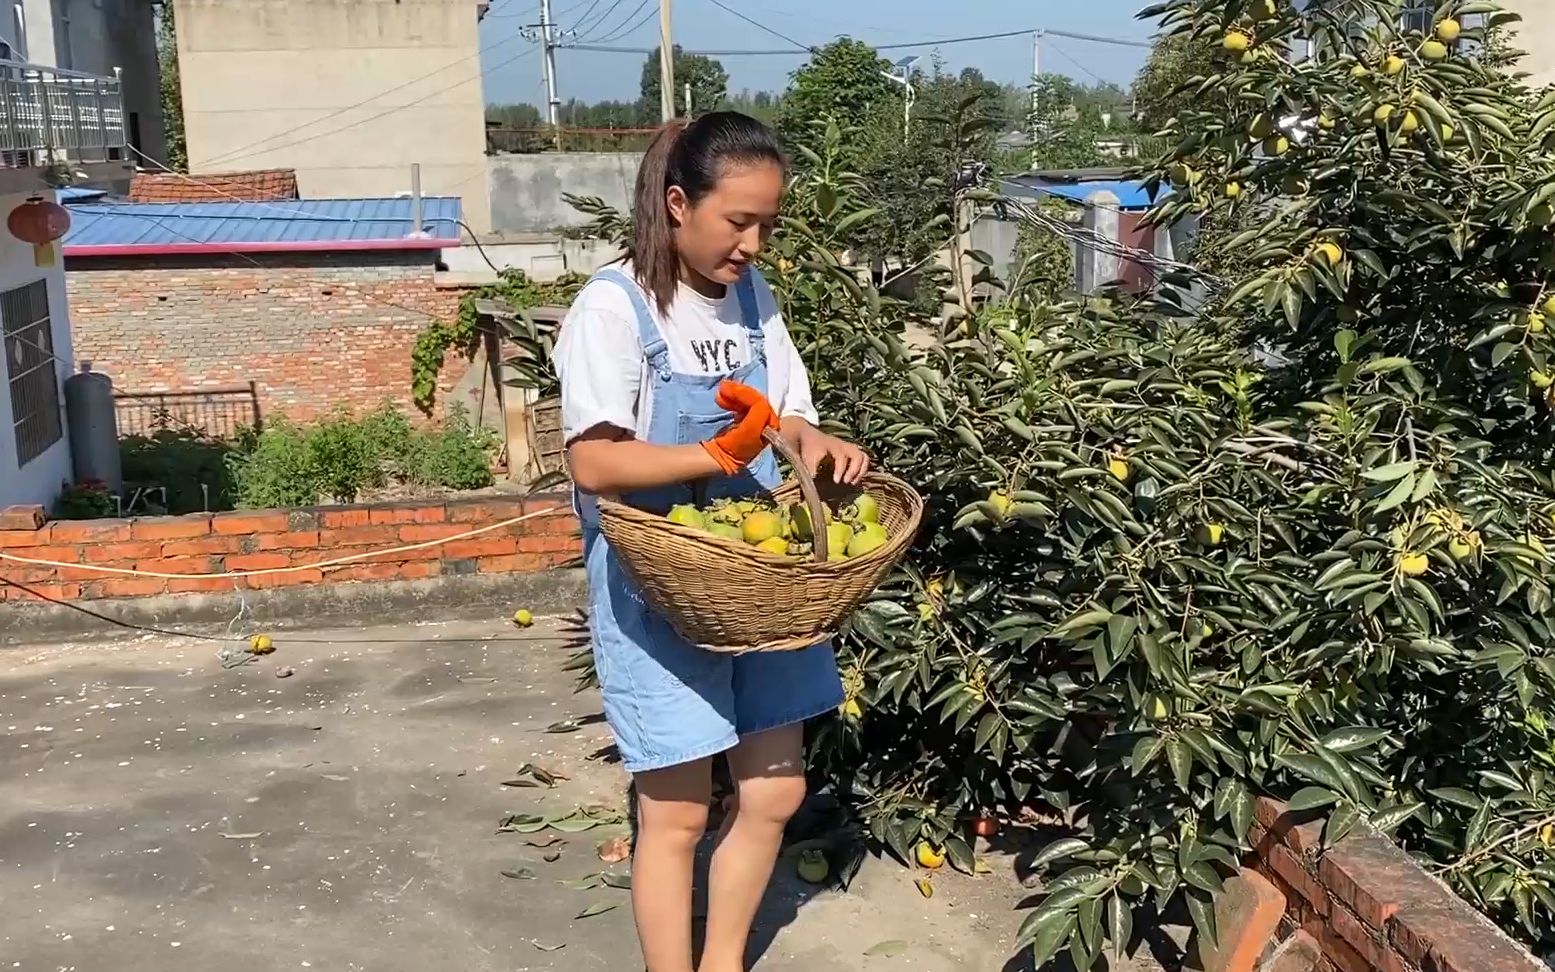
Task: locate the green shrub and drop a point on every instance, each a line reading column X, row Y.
column 455, row 456
column 341, row 457
column 190, row 465
column 85, row 501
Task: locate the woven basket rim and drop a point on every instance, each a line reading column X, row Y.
column 644, row 519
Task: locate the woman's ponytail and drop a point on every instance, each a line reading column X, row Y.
column 693, row 157
column 652, row 250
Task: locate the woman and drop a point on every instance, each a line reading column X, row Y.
column 672, row 365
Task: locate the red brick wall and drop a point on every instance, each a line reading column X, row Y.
column 1370, row 908
column 205, row 544
column 313, row 331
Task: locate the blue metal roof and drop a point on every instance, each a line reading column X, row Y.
column 125, row 229
column 1130, row 192
column 71, row 194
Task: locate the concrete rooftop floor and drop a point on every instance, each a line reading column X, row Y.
column 159, row 813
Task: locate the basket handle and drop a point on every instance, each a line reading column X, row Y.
column 812, row 496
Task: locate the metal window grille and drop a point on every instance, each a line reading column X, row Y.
column 30, row 370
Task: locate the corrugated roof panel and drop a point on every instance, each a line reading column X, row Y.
column 312, row 224
column 1130, row 192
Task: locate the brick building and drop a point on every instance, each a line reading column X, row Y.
column 310, row 304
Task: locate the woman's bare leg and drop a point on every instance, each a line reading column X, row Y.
column 671, row 819
column 769, row 784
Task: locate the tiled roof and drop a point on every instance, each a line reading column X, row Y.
column 140, row 229
column 260, row 185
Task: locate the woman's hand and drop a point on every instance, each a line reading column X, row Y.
column 738, row 446
column 849, row 463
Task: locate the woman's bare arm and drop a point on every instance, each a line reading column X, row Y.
column 608, row 460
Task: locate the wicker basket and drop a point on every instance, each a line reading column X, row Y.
column 725, row 596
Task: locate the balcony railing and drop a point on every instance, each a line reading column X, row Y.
column 48, row 116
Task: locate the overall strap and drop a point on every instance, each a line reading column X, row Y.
column 750, row 314
column 655, row 348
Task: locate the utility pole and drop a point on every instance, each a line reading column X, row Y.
column 1036, row 75
column 666, row 63
column 553, row 103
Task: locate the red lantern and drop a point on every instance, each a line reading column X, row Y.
column 40, row 222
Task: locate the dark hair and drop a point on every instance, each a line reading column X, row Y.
column 692, row 156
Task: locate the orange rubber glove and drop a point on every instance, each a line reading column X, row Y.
column 738, row 446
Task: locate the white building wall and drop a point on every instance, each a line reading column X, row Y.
column 1534, row 36
column 39, row 481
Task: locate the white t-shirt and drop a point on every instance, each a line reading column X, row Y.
column 604, row 375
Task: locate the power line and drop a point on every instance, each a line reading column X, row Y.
column 579, row 26
column 761, row 26
column 585, row 15
column 1065, row 55
column 635, row 25
column 350, row 108
column 616, row 31
column 1027, row 32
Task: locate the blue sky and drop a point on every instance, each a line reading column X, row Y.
column 699, row 24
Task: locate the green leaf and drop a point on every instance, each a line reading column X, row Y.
column 1351, row 738
column 1390, row 472
column 890, row 948
column 1340, row 823
column 1312, row 798
column 1047, row 938
column 1120, row 923
column 1061, row 848
column 1312, row 768
column 1398, row 495
column 1387, row 818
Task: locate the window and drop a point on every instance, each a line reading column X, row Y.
column 30, row 370
column 1416, row 15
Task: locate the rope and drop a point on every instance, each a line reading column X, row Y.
column 322, row 565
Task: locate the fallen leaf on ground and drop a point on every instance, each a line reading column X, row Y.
column 544, row 841
column 566, row 725
column 285, row 672
column 519, row 783
column 597, row 908
column 522, row 874
column 887, row 949
column 925, row 887
column 336, row 777
column 547, row 948
column 621, row 882
column 470, row 680
column 553, row 857
column 615, row 850
column 257, row 833
column 548, row 777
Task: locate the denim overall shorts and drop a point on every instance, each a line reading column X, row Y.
column 667, row 701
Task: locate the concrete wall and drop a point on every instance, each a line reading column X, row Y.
column 526, row 190
column 313, row 82
column 997, row 238
column 1536, row 35
column 312, row 331
column 96, row 36
column 539, row 256
column 39, row 480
